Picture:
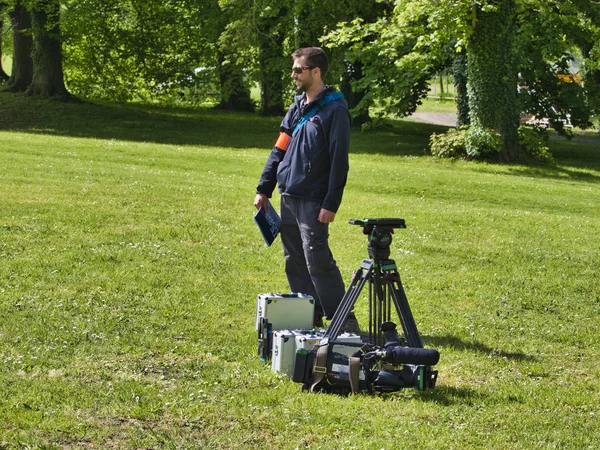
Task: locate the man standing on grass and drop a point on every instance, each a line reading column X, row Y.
column 310, row 164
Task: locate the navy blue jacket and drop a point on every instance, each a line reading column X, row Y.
column 315, row 165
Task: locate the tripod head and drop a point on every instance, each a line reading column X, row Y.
column 380, row 235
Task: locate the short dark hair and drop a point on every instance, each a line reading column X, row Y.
column 315, row 57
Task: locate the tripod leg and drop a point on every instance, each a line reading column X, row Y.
column 408, row 322
column 392, row 279
column 339, row 318
column 372, row 312
column 379, row 298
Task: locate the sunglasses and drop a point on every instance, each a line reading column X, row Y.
column 299, row 70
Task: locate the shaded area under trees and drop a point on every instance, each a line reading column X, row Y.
column 381, row 53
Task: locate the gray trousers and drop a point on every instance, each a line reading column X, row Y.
column 309, row 264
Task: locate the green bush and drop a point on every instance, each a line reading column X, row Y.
column 465, row 142
column 481, row 142
column 535, row 142
column 450, row 144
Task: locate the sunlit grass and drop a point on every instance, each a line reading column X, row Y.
column 130, row 264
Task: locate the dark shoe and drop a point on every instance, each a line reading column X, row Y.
column 318, row 322
column 351, row 324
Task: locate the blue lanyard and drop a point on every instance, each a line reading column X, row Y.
column 309, row 115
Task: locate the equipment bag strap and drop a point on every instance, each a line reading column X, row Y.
column 320, row 103
column 320, row 367
column 354, row 374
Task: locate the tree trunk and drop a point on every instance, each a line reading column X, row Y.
column 48, row 77
column 591, row 81
column 592, row 84
column 22, row 64
column 492, row 77
column 353, row 73
column 270, row 57
column 272, row 64
column 3, row 75
column 235, row 95
column 459, row 70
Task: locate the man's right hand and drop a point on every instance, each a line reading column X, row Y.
column 261, row 201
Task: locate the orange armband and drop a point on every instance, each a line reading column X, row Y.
column 283, row 141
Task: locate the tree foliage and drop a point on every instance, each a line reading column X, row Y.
column 502, row 40
column 134, row 49
column 401, row 50
column 506, row 56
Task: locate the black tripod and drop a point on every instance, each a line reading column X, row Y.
column 385, row 287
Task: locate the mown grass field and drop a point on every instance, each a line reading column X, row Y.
column 130, row 265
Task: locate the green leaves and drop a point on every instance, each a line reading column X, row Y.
column 406, row 46
column 125, row 50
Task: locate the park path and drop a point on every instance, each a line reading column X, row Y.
column 437, row 118
column 449, row 120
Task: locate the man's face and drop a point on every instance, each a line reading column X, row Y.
column 302, row 74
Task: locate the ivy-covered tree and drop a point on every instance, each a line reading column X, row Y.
column 491, row 74
column 459, row 72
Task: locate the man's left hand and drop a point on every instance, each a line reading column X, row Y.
column 326, row 216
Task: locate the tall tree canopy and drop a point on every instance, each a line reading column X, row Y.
column 508, row 56
column 508, row 44
column 133, row 49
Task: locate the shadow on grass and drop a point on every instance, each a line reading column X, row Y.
column 560, row 173
column 396, row 137
column 201, row 126
column 574, row 158
column 459, row 344
column 142, row 123
column 451, row 395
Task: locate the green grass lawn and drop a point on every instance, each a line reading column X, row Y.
column 130, row 265
column 437, row 105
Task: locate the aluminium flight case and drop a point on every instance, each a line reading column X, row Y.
column 284, row 351
column 285, row 343
column 280, row 312
column 308, row 340
column 285, row 311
